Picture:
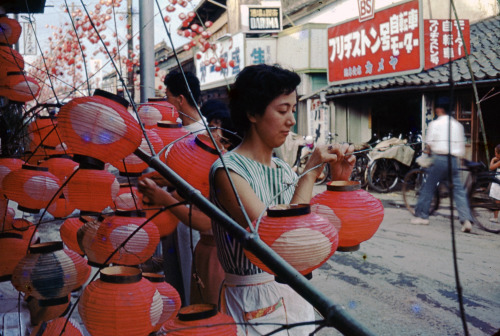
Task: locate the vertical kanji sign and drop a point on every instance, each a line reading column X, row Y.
column 389, row 44
column 443, row 42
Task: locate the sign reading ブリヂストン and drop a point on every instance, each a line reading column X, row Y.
column 389, row 44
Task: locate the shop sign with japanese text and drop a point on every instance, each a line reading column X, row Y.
column 443, row 42
column 387, row 45
column 261, row 19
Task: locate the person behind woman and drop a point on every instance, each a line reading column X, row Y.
column 262, row 104
column 495, row 189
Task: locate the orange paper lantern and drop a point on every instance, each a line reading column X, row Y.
column 128, row 198
column 192, row 159
column 169, row 131
column 100, row 239
column 99, row 126
column 13, row 248
column 43, row 131
column 6, row 213
column 157, row 109
column 8, row 165
column 169, row 295
column 119, row 303
column 19, row 87
column 92, row 190
column 56, row 326
column 46, row 310
column 61, row 166
column 69, row 230
column 302, row 238
column 200, row 319
column 165, row 221
column 132, row 165
column 10, row 30
column 359, row 212
column 32, row 187
column 10, row 58
column 61, row 207
column 49, row 271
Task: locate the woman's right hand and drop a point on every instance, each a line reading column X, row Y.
column 339, row 156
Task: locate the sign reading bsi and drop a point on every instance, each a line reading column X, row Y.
column 366, row 9
column 387, row 45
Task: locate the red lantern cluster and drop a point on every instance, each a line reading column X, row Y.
column 359, row 212
column 302, row 238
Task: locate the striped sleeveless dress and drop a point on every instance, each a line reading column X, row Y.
column 249, row 294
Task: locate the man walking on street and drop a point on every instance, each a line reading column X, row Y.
column 442, row 144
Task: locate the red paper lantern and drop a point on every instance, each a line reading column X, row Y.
column 6, row 166
column 200, row 319
column 157, row 109
column 13, row 248
column 56, row 326
column 100, row 239
column 69, row 230
column 359, row 212
column 128, row 198
column 192, row 159
column 10, row 30
column 302, row 238
column 32, row 187
column 61, row 207
column 169, row 131
column 6, row 213
column 99, row 127
column 10, row 59
column 49, row 271
column 60, row 166
column 169, row 295
column 43, row 131
column 46, row 310
column 119, row 303
column 25, row 228
column 19, row 87
column 132, row 165
column 92, row 190
column 165, row 221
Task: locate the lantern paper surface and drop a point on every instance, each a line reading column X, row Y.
column 32, row 187
column 8, row 165
column 48, row 271
column 169, row 132
column 13, row 247
column 302, row 238
column 120, row 303
column 43, row 131
column 199, row 319
column 359, row 212
column 92, row 190
column 169, row 295
column 69, row 230
column 20, row 87
column 156, row 109
column 46, row 310
column 99, row 127
column 100, row 239
column 56, row 326
column 11, row 58
column 192, row 159
column 10, row 30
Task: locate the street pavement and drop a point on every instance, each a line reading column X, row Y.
column 400, row 282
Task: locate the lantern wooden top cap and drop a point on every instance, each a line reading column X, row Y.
column 154, row 277
column 120, row 100
column 168, row 124
column 288, row 210
column 197, row 312
column 343, row 186
column 205, row 143
column 120, row 274
column 46, row 247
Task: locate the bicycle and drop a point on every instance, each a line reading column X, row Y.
column 383, row 174
column 477, row 186
column 363, row 160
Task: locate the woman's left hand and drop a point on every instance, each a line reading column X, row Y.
column 339, row 156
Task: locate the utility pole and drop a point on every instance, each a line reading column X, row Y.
column 147, row 59
column 130, row 50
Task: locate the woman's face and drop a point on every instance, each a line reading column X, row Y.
column 275, row 124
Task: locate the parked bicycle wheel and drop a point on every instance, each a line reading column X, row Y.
column 482, row 205
column 412, row 184
column 383, row 175
column 324, row 176
column 359, row 170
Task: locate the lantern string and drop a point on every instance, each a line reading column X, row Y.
column 117, row 39
column 238, row 199
column 79, row 44
column 122, row 245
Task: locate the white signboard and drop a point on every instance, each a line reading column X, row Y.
column 220, row 66
column 261, row 19
column 29, row 38
column 261, row 50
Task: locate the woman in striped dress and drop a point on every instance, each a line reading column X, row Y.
column 262, row 102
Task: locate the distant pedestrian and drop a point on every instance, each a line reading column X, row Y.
column 442, row 144
column 495, row 188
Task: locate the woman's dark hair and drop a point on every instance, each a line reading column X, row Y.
column 497, row 148
column 255, row 88
column 175, row 83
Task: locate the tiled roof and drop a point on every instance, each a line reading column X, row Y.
column 484, row 58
